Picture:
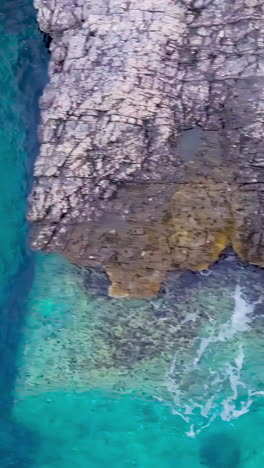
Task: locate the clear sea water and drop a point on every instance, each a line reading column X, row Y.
column 87, row 381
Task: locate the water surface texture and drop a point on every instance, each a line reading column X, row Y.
column 88, row 381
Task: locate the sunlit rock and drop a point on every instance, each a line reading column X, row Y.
column 151, row 155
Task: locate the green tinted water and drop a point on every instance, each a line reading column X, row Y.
column 88, row 381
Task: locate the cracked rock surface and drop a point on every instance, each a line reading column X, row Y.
column 152, row 136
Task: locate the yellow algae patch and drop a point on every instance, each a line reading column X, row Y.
column 139, row 284
column 247, row 215
column 193, row 229
column 199, row 224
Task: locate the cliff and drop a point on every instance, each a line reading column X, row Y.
column 152, row 134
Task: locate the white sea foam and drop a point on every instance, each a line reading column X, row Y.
column 242, row 312
column 260, row 392
column 191, row 432
column 230, row 410
column 221, row 390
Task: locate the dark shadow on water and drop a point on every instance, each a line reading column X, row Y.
column 228, row 269
column 12, row 320
column 220, row 450
column 17, row 444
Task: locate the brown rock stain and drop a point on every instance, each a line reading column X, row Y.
column 151, row 229
column 200, row 221
column 141, row 284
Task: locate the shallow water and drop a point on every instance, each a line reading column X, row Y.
column 86, row 380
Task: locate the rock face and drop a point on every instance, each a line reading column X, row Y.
column 152, row 136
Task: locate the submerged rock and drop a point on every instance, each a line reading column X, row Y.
column 75, row 337
column 151, row 137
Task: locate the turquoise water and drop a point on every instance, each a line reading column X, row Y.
column 87, row 381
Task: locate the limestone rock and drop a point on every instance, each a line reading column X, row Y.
column 151, row 154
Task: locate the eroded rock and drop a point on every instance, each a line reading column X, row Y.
column 151, row 153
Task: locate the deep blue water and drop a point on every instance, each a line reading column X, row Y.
column 73, row 391
column 23, row 71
